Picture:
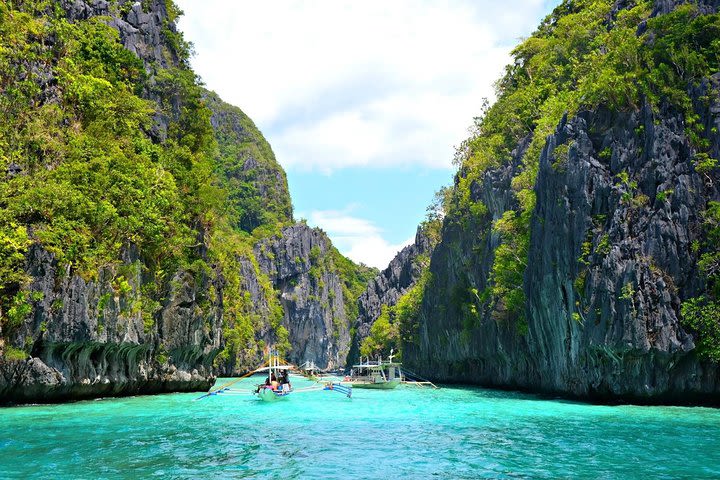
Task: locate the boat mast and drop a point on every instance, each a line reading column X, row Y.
column 391, row 367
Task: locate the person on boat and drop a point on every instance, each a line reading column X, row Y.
column 270, row 380
column 285, row 381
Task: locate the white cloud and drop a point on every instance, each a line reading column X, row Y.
column 336, row 83
column 356, row 238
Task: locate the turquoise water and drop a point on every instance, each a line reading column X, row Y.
column 407, row 432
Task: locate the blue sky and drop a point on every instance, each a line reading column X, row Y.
column 362, row 101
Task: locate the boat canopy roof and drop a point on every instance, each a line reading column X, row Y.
column 377, row 365
column 279, row 367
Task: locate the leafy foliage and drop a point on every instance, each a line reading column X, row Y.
column 702, row 314
column 397, row 325
column 13, row 354
column 384, row 334
column 407, row 310
column 355, row 278
column 584, row 55
column 85, row 173
column 508, row 268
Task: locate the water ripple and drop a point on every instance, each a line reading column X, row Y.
column 408, row 433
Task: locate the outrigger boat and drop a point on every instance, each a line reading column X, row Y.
column 309, row 370
column 277, row 383
column 382, row 375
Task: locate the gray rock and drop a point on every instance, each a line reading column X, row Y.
column 140, row 32
column 301, row 268
column 386, row 289
column 662, row 7
column 616, row 334
column 14, row 169
column 90, row 337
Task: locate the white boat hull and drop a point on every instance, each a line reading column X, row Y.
column 384, row 385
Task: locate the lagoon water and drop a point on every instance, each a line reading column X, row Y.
column 404, row 433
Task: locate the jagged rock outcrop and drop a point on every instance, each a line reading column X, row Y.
column 445, row 349
column 401, row 274
column 142, row 29
column 135, row 326
column 627, row 339
column 96, row 337
column 610, row 262
column 300, row 264
column 666, row 6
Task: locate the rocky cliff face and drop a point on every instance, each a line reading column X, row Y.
column 95, row 337
column 99, row 337
column 386, row 289
column 298, row 261
column 300, row 264
column 447, row 347
column 661, row 7
column 626, row 338
column 148, row 30
column 610, row 261
column 134, row 326
column 143, row 29
column 122, row 330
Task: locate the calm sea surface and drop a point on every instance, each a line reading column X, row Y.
column 404, row 433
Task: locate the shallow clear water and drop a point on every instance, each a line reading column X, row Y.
column 407, row 432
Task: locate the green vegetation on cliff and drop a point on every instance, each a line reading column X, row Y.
column 702, row 313
column 255, row 182
column 91, row 181
column 86, row 179
column 587, row 54
column 397, row 324
column 86, row 163
column 355, row 278
column 118, row 163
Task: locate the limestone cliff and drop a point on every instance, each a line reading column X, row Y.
column 123, row 325
column 386, row 289
column 300, row 265
column 144, row 30
column 95, row 338
column 171, row 260
column 256, row 184
column 613, row 252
